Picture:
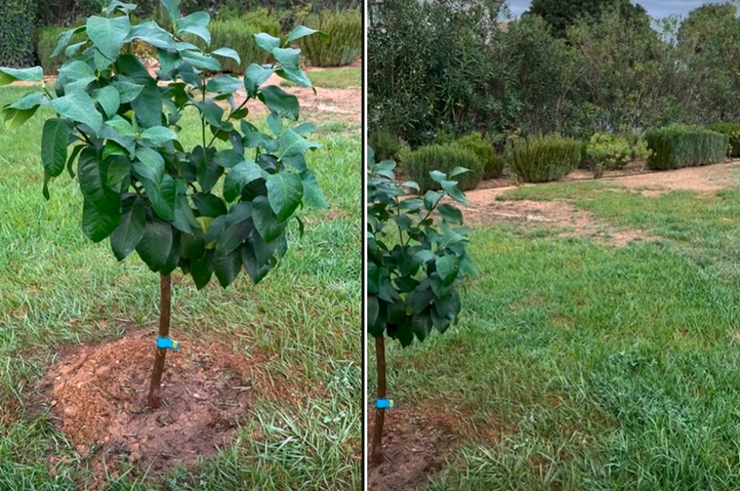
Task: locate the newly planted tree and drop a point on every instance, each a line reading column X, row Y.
column 212, row 209
column 416, row 249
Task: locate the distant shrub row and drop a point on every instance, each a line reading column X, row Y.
column 677, row 146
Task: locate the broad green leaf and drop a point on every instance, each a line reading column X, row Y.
column 431, row 199
column 267, row 42
column 173, row 9
column 54, row 141
column 148, row 106
column 155, row 244
column 45, row 188
column 265, row 220
column 168, row 61
column 227, row 158
column 79, row 107
column 228, row 53
column 450, row 213
column 108, row 35
column 284, row 192
column 447, row 268
column 211, row 111
column 119, row 169
column 64, row 39
column 121, row 126
column 195, row 23
column 295, row 75
column 92, row 174
column 10, row 75
column 424, row 256
column 437, row 176
column 96, row 225
column 275, row 123
column 457, row 171
column 288, row 57
column 291, row 143
column 255, row 76
column 239, row 176
column 162, row 197
column 301, row 31
column 279, row 101
column 15, row 118
column 108, row 99
column 151, row 33
column 157, row 135
column 411, row 185
column 149, row 165
column 313, row 196
column 129, row 232
column 451, row 189
column 201, row 61
column 227, row 266
column 29, row 101
column 127, row 91
column 224, row 84
column 209, row 205
column 254, row 268
column 76, row 70
column 201, row 269
column 72, row 49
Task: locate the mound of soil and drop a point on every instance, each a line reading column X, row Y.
column 97, row 395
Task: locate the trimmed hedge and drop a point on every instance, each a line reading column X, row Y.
column 345, row 43
column 732, row 130
column 544, row 158
column 493, row 165
column 419, row 163
column 16, row 33
column 677, row 146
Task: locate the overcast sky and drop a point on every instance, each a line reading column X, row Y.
column 656, row 8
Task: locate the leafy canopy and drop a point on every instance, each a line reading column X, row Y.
column 142, row 189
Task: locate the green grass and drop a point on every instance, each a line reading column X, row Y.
column 333, row 78
column 55, row 285
column 596, row 367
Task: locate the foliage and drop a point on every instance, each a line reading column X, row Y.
column 543, row 158
column 732, row 130
column 412, row 281
column 419, row 164
column 45, row 42
column 239, row 34
column 345, row 38
column 493, row 165
column 16, row 32
column 606, row 151
column 142, row 189
column 561, row 14
column 385, row 145
column 678, row 146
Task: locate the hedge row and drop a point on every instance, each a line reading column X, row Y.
column 445, row 158
column 345, row 38
column 543, row 158
column 732, row 130
column 677, row 146
column 16, row 33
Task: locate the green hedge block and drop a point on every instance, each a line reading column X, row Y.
column 419, row 163
column 544, row 158
column 493, row 165
column 16, row 33
column 345, row 43
column 732, row 130
column 677, row 146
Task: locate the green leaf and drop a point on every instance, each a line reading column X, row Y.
column 437, row 176
column 227, row 158
column 267, row 42
column 201, row 269
column 149, row 164
column 157, row 136
column 457, row 171
column 447, row 268
column 79, row 107
column 284, row 192
column 295, row 75
column 373, row 308
column 127, row 91
column 256, row 269
column 212, row 112
column 129, row 232
column 224, row 84
column 92, row 174
column 431, row 198
column 162, row 196
column 10, row 75
column 108, row 99
column 207, row 171
column 121, row 126
column 228, row 53
column 76, row 70
column 64, row 39
column 451, row 188
column 15, row 118
column 148, row 106
column 54, row 142
column 96, row 225
column 275, row 123
column 239, row 176
column 227, row 266
column 173, row 9
column 195, row 23
column 155, row 244
column 291, row 143
column 199, row 60
column 287, row 57
column 450, row 213
column 118, row 170
column 300, row 31
column 209, row 205
column 29, row 101
column 45, row 189
column 265, row 220
column 256, row 75
column 280, row 102
column 72, row 49
column 313, row 196
column 151, row 33
column 108, row 35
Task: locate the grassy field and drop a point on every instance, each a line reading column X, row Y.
column 333, row 78
column 589, row 366
column 57, row 288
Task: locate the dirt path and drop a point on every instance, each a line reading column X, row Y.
column 562, row 215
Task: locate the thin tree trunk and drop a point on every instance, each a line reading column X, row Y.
column 377, row 452
column 165, row 297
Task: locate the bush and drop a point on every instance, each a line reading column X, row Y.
column 544, row 158
column 385, row 144
column 419, row 163
column 493, row 165
column 732, row 130
column 239, row 35
column 16, row 33
column 345, row 43
column 677, row 146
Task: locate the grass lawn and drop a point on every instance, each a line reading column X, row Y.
column 333, row 78
column 590, row 366
column 57, row 288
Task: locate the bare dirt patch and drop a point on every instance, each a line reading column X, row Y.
column 97, row 395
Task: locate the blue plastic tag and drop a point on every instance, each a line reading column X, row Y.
column 385, row 403
column 167, row 343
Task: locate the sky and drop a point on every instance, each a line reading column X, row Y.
column 656, row 8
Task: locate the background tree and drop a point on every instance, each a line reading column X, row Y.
column 561, row 14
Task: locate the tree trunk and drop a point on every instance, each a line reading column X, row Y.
column 165, row 297
column 377, row 452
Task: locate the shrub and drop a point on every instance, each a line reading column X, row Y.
column 16, row 33
column 239, row 35
column 385, row 144
column 732, row 130
column 544, row 158
column 677, row 146
column 493, row 165
column 345, row 38
column 419, row 163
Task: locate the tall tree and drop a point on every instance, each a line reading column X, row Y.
column 560, row 14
